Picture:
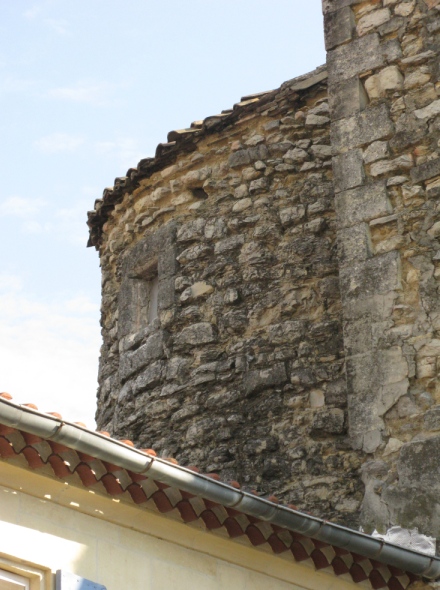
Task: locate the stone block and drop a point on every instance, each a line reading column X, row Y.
column 348, row 170
column 339, row 27
column 354, row 58
column 354, row 244
column 328, row 422
column 432, row 419
column 229, row 244
column 378, row 307
column 292, row 215
column 431, row 110
column 239, row 158
column 316, row 121
column 358, row 336
column 255, row 381
column 388, row 79
column 333, row 5
column 336, row 393
column 372, row 20
column 404, row 162
column 192, row 230
column 370, row 125
column 259, row 152
column 132, row 362
column 409, row 131
column 370, row 277
column 418, row 464
column 431, row 3
column 149, row 378
column 321, row 151
column 362, row 204
column 287, row 332
column 425, row 171
column 197, row 334
column 166, row 293
column 295, row 156
column 378, row 150
column 391, row 50
column 347, row 98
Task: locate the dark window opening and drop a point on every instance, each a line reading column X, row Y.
column 144, row 296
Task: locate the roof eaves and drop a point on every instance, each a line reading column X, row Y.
column 183, row 140
column 101, row 447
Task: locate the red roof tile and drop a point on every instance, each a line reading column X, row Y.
column 84, row 469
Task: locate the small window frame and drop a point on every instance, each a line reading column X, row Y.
column 34, row 576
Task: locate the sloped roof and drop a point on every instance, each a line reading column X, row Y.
column 185, row 141
column 84, row 458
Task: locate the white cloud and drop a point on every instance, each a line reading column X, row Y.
column 58, row 25
column 58, row 142
column 33, row 12
column 49, row 351
column 20, row 207
column 33, row 226
column 10, row 283
column 83, row 92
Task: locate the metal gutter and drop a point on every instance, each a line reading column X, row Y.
column 126, row 457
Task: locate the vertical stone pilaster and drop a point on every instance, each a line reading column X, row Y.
column 384, row 90
column 368, row 282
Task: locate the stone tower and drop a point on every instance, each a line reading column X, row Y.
column 270, row 305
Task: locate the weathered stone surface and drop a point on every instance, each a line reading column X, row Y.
column 401, row 163
column 132, row 362
column 348, row 170
column 426, row 171
column 378, row 150
column 372, row 20
column 256, row 381
column 377, row 275
column 259, row 267
column 339, row 27
column 354, row 244
column 354, row 58
column 328, row 421
column 429, row 111
column 387, row 79
column 370, row 125
column 363, row 204
column 347, row 98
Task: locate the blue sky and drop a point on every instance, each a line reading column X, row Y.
column 87, row 89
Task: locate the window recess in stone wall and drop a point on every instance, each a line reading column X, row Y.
column 145, row 291
column 147, row 285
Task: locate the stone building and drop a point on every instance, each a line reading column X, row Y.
column 270, row 281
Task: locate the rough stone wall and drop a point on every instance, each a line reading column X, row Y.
column 242, row 373
column 293, row 289
column 383, row 67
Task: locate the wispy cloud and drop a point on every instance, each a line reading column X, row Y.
column 58, row 142
column 126, row 151
column 49, row 350
column 33, row 12
column 21, row 206
column 87, row 93
column 60, row 26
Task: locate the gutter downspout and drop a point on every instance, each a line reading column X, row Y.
column 112, row 451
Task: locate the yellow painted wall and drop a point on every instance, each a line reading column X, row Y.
column 56, row 526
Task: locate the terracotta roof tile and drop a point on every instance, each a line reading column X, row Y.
column 184, row 140
column 85, row 470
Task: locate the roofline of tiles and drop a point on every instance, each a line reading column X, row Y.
column 107, row 449
column 182, row 140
